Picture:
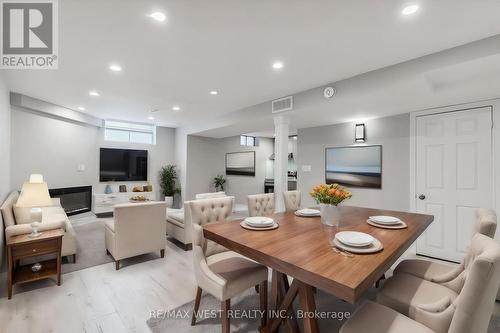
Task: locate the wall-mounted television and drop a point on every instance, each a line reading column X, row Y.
column 240, row 163
column 354, row 166
column 119, row 165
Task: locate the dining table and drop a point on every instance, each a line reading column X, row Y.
column 301, row 248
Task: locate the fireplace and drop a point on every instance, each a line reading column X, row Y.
column 74, row 200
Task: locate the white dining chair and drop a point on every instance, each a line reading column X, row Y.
column 292, row 200
column 220, row 272
column 260, row 204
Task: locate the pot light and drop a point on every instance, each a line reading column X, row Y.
column 151, row 118
column 94, row 93
column 158, row 16
column 411, row 9
column 213, row 92
column 176, row 108
column 81, row 108
column 278, row 65
column 115, row 68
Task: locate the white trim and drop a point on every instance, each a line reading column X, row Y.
column 494, row 104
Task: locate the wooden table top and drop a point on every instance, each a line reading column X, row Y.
column 301, row 248
column 25, row 239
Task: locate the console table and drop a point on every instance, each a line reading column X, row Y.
column 23, row 246
column 104, row 203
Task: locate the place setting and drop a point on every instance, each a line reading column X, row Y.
column 355, row 242
column 386, row 222
column 308, row 212
column 259, row 223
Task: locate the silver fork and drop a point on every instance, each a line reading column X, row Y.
column 343, row 252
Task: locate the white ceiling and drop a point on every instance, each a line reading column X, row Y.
column 230, row 45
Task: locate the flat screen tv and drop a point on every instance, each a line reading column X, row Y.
column 356, row 166
column 119, row 165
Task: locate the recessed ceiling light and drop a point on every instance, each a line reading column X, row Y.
column 115, row 68
column 158, row 16
column 94, row 93
column 81, row 108
column 151, row 118
column 411, row 9
column 278, row 65
column 213, row 92
column 176, row 108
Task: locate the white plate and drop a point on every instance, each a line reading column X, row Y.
column 354, row 238
column 308, row 212
column 259, row 221
column 385, row 219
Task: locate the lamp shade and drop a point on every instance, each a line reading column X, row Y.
column 34, row 195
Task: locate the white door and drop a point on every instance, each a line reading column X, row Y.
column 453, row 178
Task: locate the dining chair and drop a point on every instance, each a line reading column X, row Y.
column 260, row 204
column 470, row 311
column 486, row 224
column 292, row 200
column 220, row 272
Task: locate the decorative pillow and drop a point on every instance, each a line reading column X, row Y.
column 22, row 214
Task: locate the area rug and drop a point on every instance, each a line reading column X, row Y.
column 248, row 321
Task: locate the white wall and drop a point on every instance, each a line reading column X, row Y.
column 55, row 147
column 390, row 132
column 206, row 159
column 4, row 153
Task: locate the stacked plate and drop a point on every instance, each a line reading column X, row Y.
column 356, row 242
column 387, row 222
column 259, row 223
column 307, row 212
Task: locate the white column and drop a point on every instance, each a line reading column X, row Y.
column 281, row 129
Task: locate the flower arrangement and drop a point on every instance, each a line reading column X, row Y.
column 330, row 194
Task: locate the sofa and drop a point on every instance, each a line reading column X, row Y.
column 53, row 217
column 137, row 228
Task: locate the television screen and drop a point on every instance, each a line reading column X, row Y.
column 123, row 165
column 356, row 166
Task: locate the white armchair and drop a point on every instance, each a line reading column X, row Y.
column 221, row 272
column 138, row 228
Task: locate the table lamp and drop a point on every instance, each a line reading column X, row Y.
column 35, row 194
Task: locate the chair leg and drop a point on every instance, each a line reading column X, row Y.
column 162, row 253
column 196, row 306
column 117, row 264
column 263, row 303
column 226, row 306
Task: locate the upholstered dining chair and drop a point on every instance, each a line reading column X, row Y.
column 469, row 311
column 486, row 224
column 292, row 200
column 260, row 204
column 220, row 272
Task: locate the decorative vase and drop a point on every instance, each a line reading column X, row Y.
column 330, row 215
column 169, row 201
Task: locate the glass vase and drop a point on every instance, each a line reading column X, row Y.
column 330, row 215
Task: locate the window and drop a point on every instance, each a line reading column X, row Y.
column 248, row 140
column 129, row 132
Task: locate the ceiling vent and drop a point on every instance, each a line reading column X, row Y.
column 282, row 104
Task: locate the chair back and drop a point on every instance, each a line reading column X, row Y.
column 210, row 195
column 474, row 304
column 206, row 211
column 139, row 227
column 292, row 200
column 486, row 222
column 260, row 204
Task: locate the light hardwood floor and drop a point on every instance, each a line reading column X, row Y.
column 100, row 299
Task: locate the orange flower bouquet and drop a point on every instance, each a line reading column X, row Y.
column 332, row 194
column 329, row 196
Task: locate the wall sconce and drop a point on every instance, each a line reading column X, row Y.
column 359, row 133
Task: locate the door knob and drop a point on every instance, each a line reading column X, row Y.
column 421, row 197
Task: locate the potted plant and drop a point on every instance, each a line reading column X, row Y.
column 219, row 183
column 329, row 197
column 168, row 182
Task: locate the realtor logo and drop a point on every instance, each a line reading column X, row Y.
column 29, row 34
